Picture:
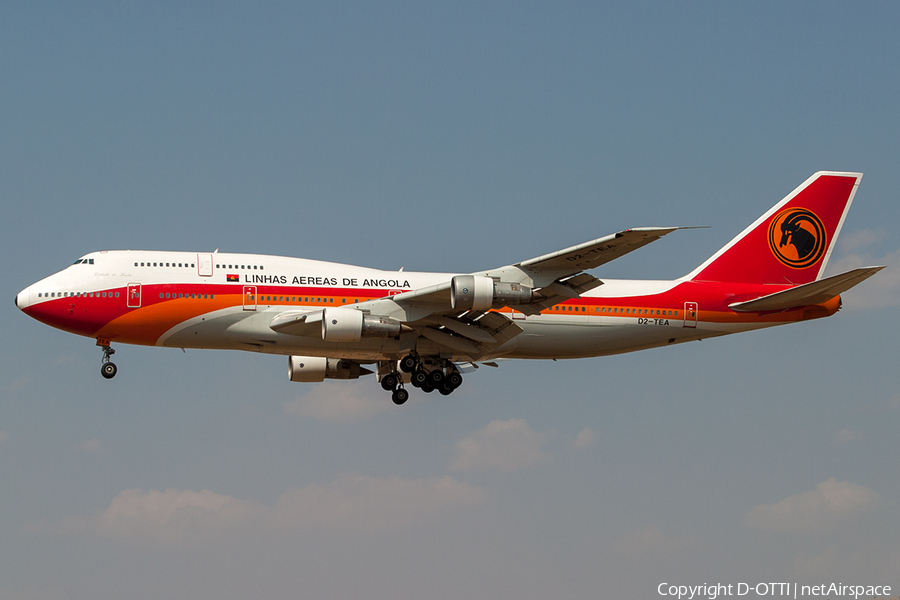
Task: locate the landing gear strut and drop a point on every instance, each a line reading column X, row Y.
column 108, row 369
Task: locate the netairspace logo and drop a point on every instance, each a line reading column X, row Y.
column 772, row 589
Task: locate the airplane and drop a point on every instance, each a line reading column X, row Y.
column 425, row 329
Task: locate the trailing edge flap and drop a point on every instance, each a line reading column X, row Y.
column 474, row 333
column 816, row 292
column 298, row 323
column 596, row 252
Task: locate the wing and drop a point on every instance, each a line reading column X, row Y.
column 590, row 255
column 475, row 330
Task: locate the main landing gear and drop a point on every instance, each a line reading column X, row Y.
column 392, row 383
column 108, row 369
column 427, row 374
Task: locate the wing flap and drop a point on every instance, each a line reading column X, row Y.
column 816, row 292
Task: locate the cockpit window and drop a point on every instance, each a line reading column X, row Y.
column 77, row 262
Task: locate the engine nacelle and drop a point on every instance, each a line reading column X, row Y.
column 350, row 325
column 472, row 292
column 342, row 325
column 307, row 369
column 313, row 369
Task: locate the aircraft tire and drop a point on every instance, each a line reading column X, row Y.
column 389, row 382
column 108, row 370
column 454, row 379
column 446, row 389
column 408, row 363
column 427, row 388
column 419, row 378
column 436, row 378
column 400, row 396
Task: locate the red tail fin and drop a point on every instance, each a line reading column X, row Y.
column 792, row 242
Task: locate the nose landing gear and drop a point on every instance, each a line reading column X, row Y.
column 108, row 370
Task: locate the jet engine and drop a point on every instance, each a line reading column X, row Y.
column 350, row 325
column 313, row 369
column 472, row 292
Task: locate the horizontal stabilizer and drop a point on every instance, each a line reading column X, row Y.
column 808, row 294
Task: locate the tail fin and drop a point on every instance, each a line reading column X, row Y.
column 792, row 242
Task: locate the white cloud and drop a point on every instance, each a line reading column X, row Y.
column 342, row 401
column 584, row 439
column 172, row 515
column 90, row 446
column 651, row 540
column 356, row 501
column 842, row 436
column 854, row 240
column 831, row 504
column 503, row 445
column 881, row 290
column 352, row 501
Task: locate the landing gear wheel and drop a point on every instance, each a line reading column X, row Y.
column 389, row 382
column 436, row 378
column 108, row 370
column 454, row 379
column 419, row 378
column 427, row 388
column 408, row 363
column 400, row 396
column 446, row 389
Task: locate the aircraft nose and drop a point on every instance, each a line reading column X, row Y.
column 22, row 299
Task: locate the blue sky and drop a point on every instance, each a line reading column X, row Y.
column 445, row 138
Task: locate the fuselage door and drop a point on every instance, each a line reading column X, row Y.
column 249, row 297
column 205, row 265
column 134, row 295
column 690, row 314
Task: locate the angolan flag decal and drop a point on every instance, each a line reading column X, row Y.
column 232, row 277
